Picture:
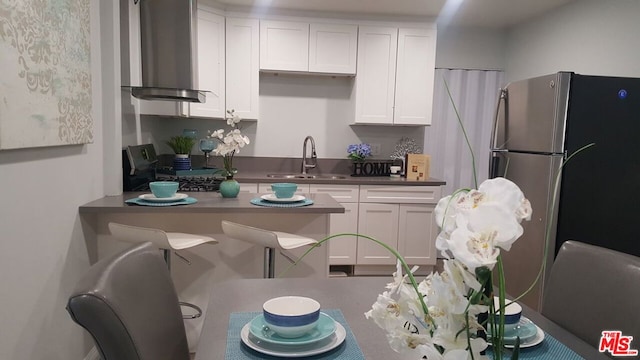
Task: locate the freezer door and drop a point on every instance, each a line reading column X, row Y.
column 598, row 201
column 534, row 174
column 531, row 116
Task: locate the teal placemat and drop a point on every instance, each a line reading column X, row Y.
column 236, row 350
column 138, row 201
column 262, row 202
column 549, row 349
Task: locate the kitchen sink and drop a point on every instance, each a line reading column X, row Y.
column 326, row 177
column 287, row 176
column 306, row 176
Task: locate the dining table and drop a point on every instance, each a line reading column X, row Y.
column 234, row 303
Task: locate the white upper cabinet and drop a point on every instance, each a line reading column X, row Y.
column 284, row 45
column 304, row 47
column 211, row 66
column 242, row 59
column 333, row 48
column 376, row 78
column 415, row 71
column 394, row 85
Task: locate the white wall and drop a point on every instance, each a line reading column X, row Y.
column 470, row 48
column 43, row 251
column 594, row 37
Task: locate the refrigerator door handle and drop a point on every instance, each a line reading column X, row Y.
column 494, row 165
column 502, row 97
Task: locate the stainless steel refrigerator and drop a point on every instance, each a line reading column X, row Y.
column 539, row 123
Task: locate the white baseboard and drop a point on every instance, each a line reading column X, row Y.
column 92, row 354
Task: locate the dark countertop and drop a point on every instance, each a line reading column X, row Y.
column 210, row 202
column 261, row 177
column 255, row 170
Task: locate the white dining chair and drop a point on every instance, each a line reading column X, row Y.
column 269, row 240
column 167, row 241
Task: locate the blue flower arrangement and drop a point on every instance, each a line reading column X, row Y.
column 358, row 152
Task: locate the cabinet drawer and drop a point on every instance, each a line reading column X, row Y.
column 341, row 193
column 400, row 194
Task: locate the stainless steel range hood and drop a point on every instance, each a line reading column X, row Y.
column 168, row 31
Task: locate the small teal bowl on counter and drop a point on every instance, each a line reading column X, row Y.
column 284, row 190
column 163, row 189
column 291, row 316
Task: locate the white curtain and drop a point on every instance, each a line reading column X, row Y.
column 475, row 93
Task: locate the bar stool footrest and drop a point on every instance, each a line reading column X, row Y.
column 192, row 306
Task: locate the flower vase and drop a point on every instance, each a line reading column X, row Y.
column 229, row 188
column 182, row 162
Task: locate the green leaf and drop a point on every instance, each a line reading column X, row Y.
column 181, row 144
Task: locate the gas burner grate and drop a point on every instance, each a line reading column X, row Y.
column 195, row 183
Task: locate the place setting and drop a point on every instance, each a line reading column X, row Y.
column 292, row 327
column 283, row 196
column 163, row 193
column 517, row 326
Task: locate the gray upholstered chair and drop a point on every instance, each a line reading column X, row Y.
column 128, row 304
column 591, row 289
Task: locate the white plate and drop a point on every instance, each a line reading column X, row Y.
column 325, row 327
column 151, row 197
column 531, row 342
column 273, row 198
column 293, row 351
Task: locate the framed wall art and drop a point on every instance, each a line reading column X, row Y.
column 45, row 73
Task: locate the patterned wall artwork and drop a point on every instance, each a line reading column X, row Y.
column 45, row 73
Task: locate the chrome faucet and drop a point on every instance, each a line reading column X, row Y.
column 314, row 157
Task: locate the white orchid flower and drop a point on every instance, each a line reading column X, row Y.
column 508, row 194
column 478, row 237
column 216, row 134
column 459, row 272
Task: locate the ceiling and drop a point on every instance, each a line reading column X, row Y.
column 479, row 13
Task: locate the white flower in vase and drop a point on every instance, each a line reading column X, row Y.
column 230, row 143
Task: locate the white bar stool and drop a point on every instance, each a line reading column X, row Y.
column 270, row 240
column 167, row 241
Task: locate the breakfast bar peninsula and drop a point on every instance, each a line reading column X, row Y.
column 229, row 258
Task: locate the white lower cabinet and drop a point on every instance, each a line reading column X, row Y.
column 401, row 217
column 342, row 249
column 379, row 221
column 410, row 229
column 417, row 232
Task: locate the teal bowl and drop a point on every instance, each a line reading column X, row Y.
column 284, row 190
column 163, row 189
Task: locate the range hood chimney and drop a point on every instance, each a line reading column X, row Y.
column 168, row 31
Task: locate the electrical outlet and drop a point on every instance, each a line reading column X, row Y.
column 375, row 149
